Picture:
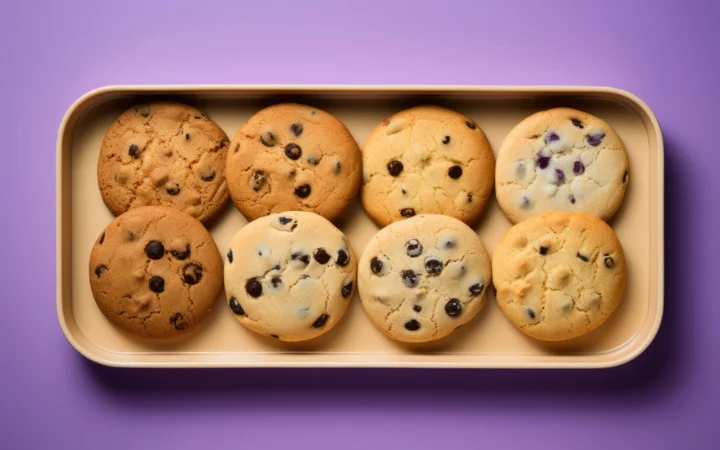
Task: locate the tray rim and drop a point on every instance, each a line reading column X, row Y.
column 605, row 91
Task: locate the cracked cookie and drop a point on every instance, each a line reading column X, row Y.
column 559, row 275
column 166, row 154
column 290, row 275
column 426, row 160
column 561, row 159
column 155, row 271
column 422, row 278
column 291, row 157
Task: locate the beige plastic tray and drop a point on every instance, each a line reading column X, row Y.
column 488, row 341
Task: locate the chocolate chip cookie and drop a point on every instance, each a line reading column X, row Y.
column 155, row 271
column 561, row 159
column 291, row 157
column 426, row 160
column 289, row 276
column 166, row 154
column 559, row 275
column 422, row 278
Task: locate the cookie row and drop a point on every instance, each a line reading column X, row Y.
column 423, row 160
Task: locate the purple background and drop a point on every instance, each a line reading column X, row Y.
column 665, row 52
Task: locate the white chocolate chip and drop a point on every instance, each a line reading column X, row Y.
column 395, row 126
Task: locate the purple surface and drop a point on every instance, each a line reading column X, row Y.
column 665, row 52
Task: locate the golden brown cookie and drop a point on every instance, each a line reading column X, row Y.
column 291, row 157
column 155, row 271
column 559, row 275
column 164, row 154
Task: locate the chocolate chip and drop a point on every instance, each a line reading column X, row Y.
column 525, row 202
column 253, row 287
column 192, row 273
column 453, row 307
column 296, row 128
column 531, row 313
column 583, row 257
column 542, row 161
column 182, row 254
column 178, row 321
column 409, row 278
column 543, row 250
column 276, row 281
column 258, row 180
column 595, row 139
column 236, row 307
column 134, row 151
column 172, row 188
column 578, row 168
column 99, row 269
column 197, row 117
column 347, row 290
column 321, row 256
column 404, row 192
column 313, row 160
column 320, row 321
column 394, row 167
column 145, row 111
column 342, row 259
column 446, row 140
column 209, row 177
column 625, row 177
column 433, row 266
column 551, row 137
column 338, row 166
column 407, row 212
column 301, row 257
column 572, row 199
column 470, row 125
column 455, row 172
column 448, row 243
column 284, row 220
column 229, row 256
column 609, row 262
column 154, row 250
column 577, row 123
column 102, row 239
column 477, row 288
column 412, row 325
column 293, row 151
column 417, row 308
column 187, row 136
column 267, row 139
column 376, row 265
column 157, row 284
column 303, row 190
column 131, row 236
column 414, row 248
column 469, row 198
column 275, row 336
column 559, row 175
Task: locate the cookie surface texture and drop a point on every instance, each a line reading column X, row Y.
column 166, row 154
column 559, row 275
column 155, row 271
column 561, row 159
column 422, row 278
column 290, row 276
column 291, row 157
column 426, row 160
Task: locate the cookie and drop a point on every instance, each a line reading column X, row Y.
column 426, row 160
column 422, row 278
column 289, row 276
column 164, row 154
column 561, row 159
column 559, row 275
column 291, row 157
column 155, row 271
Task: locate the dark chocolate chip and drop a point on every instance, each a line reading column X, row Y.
column 131, row 236
column 376, row 265
column 301, row 257
column 276, row 281
column 236, row 307
column 525, row 202
column 449, row 243
column 258, row 180
column 404, row 192
column 313, row 160
column 469, row 198
column 542, row 161
column 551, row 137
column 197, row 117
column 407, row 212
column 253, row 287
column 275, row 336
column 268, row 139
column 303, row 190
column 192, row 273
column 531, row 313
column 320, row 321
column 99, row 269
column 173, row 188
column 342, row 259
column 543, row 250
column 184, row 254
column 409, row 278
column 178, row 321
column 394, row 167
column 559, row 175
column 583, row 257
column 187, row 136
column 446, row 140
column 625, row 177
column 417, row 308
column 157, row 284
column 572, row 199
column 145, row 111
column 293, row 151
column 477, row 288
column 595, row 139
column 321, row 256
column 578, row 168
column 134, row 151
column 470, row 125
column 453, row 307
column 433, row 266
column 209, row 177
column 577, row 123
column 296, row 128
column 102, row 239
column 609, row 262
column 284, row 220
column 229, row 255
column 347, row 290
column 154, row 250
column 412, row 325
column 338, row 167
column 455, row 172
column 413, row 248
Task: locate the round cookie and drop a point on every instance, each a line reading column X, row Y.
column 422, row 278
column 155, row 271
column 561, row 159
column 291, row 157
column 559, row 275
column 166, row 154
column 289, row 275
column 426, row 160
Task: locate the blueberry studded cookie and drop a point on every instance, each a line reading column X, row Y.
column 426, row 160
column 166, row 154
column 420, row 279
column 291, row 157
column 155, row 271
column 561, row 159
column 559, row 275
column 290, row 275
